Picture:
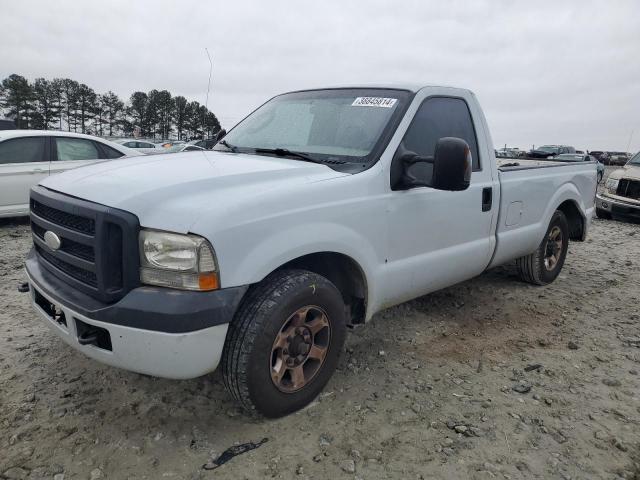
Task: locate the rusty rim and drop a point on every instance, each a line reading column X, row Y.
column 300, row 348
column 553, row 249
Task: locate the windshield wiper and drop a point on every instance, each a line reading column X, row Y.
column 283, row 152
column 233, row 148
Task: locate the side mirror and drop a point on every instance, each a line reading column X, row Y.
column 451, row 169
column 452, row 164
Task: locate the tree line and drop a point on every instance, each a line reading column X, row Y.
column 65, row 104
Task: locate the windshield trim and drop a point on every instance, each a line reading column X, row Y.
column 365, row 162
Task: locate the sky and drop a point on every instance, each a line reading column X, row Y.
column 545, row 72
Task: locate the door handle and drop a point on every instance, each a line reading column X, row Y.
column 487, row 198
column 38, row 170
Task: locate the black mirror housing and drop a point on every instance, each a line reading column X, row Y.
column 452, row 164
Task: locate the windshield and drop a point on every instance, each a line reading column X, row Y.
column 546, row 148
column 635, row 160
column 341, row 124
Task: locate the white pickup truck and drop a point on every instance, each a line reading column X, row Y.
column 319, row 209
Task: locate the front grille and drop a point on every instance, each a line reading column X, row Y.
column 629, row 188
column 78, row 273
column 74, row 222
column 76, row 249
column 98, row 252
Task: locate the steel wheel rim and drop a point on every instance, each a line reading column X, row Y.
column 300, row 348
column 553, row 248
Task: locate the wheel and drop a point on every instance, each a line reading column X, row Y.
column 600, row 213
column 600, row 174
column 544, row 265
column 284, row 343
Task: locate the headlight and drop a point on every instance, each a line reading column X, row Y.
column 612, row 185
column 174, row 260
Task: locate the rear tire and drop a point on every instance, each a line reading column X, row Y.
column 544, row 265
column 284, row 342
column 600, row 213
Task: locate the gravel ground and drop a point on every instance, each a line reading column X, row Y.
column 492, row 378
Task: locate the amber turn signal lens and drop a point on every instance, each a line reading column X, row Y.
column 208, row 281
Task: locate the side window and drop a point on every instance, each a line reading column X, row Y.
column 22, row 150
column 130, row 144
column 76, row 149
column 110, row 152
column 440, row 117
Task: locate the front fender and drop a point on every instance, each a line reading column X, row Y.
column 282, row 246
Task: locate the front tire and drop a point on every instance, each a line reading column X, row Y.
column 284, row 342
column 544, row 265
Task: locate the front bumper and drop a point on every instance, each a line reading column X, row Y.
column 618, row 208
column 156, row 331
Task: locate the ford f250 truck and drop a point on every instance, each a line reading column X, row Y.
column 319, row 209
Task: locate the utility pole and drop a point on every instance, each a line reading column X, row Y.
column 206, row 102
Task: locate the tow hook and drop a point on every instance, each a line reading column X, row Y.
column 23, row 287
column 88, row 337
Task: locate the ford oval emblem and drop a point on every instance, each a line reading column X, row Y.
column 52, row 240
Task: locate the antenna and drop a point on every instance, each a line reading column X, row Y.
column 206, row 103
column 629, row 144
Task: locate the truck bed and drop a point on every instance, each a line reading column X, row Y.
column 511, row 164
column 530, row 190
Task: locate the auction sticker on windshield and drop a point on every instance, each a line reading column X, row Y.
column 374, row 102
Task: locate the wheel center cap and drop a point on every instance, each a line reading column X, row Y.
column 298, row 346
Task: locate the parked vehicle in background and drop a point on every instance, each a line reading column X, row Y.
column 139, row 145
column 508, row 153
column 618, row 158
column 546, row 151
column 29, row 156
column 621, row 197
column 183, row 148
column 7, row 124
column 318, row 210
column 600, row 155
column 170, row 143
column 578, row 157
column 207, row 144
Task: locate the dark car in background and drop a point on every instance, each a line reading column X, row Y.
column 6, row 124
column 546, row 151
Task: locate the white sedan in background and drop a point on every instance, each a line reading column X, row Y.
column 141, row 146
column 28, row 156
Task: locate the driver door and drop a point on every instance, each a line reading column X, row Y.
column 438, row 238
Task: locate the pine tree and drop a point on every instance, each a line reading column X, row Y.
column 16, row 95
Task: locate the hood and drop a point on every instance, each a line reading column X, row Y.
column 628, row 171
column 171, row 191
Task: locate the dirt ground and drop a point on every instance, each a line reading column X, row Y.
column 492, row 378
